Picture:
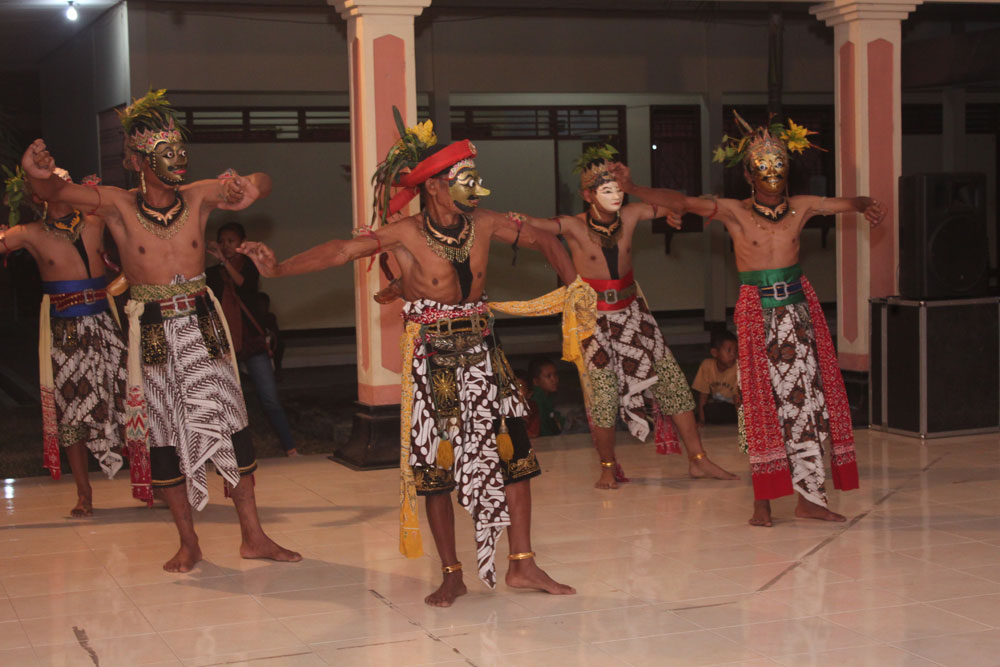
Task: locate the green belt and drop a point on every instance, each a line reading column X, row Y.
column 769, row 278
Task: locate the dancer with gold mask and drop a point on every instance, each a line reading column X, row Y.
column 794, row 402
column 459, row 396
column 181, row 370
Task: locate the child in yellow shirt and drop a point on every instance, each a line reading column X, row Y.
column 716, row 379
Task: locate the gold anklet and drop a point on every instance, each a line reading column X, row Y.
column 608, row 464
column 448, row 569
column 697, row 457
column 524, row 555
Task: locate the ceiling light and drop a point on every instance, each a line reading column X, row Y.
column 71, row 12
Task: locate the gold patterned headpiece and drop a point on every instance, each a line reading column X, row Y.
column 150, row 120
column 774, row 137
column 593, row 166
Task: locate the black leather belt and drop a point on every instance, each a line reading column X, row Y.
column 781, row 290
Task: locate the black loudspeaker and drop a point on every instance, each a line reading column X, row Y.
column 935, row 366
column 943, row 245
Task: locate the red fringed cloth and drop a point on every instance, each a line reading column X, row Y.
column 136, row 444
column 768, row 458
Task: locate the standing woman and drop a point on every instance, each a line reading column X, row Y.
column 236, row 283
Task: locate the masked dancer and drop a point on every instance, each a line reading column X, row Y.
column 794, row 402
column 623, row 361
column 81, row 353
column 459, row 395
column 181, row 368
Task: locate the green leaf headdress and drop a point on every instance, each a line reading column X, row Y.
column 150, row 120
column 792, row 139
column 17, row 192
column 593, row 166
column 412, row 147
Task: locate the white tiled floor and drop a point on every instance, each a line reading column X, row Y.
column 668, row 571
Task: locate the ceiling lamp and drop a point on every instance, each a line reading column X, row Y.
column 71, row 12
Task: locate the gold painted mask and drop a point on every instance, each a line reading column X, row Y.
column 768, row 167
column 169, row 162
column 465, row 186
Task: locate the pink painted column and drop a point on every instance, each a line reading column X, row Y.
column 381, row 49
column 867, row 101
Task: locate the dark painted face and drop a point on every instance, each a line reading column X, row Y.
column 169, row 162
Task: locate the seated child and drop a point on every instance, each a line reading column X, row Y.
column 545, row 382
column 716, row 384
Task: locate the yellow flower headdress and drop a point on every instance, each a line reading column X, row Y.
column 792, row 139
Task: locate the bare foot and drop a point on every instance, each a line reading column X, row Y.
column 184, row 560
column 761, row 513
column 808, row 510
column 451, row 587
column 84, row 506
column 292, row 452
column 705, row 467
column 265, row 547
column 607, row 479
column 526, row 574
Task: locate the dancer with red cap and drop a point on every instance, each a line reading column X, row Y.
column 459, row 398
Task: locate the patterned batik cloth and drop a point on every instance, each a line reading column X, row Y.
column 475, row 387
column 88, row 368
column 798, row 392
column 627, row 362
column 194, row 401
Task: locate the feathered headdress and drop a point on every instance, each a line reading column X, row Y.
column 411, row 161
column 792, row 139
column 150, row 120
column 593, row 166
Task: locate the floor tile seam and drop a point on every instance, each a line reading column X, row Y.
column 711, row 632
column 957, row 613
column 96, row 639
column 419, row 627
column 922, row 604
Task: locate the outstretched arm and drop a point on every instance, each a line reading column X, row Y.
column 872, row 209
column 656, row 202
column 13, row 238
column 511, row 229
column 233, row 192
column 335, row 252
column 39, row 165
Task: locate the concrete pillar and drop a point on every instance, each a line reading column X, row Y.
column 380, row 42
column 869, row 133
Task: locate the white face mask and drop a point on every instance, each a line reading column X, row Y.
column 609, row 197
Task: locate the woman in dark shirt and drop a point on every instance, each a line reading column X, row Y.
column 236, row 282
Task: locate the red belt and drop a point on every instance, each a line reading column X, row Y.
column 87, row 296
column 179, row 305
column 614, row 294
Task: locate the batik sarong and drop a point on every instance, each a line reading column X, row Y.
column 182, row 371
column 794, row 402
column 628, row 362
column 464, row 403
column 82, row 364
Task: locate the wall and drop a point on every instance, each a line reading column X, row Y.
column 85, row 76
column 310, row 203
column 276, row 58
